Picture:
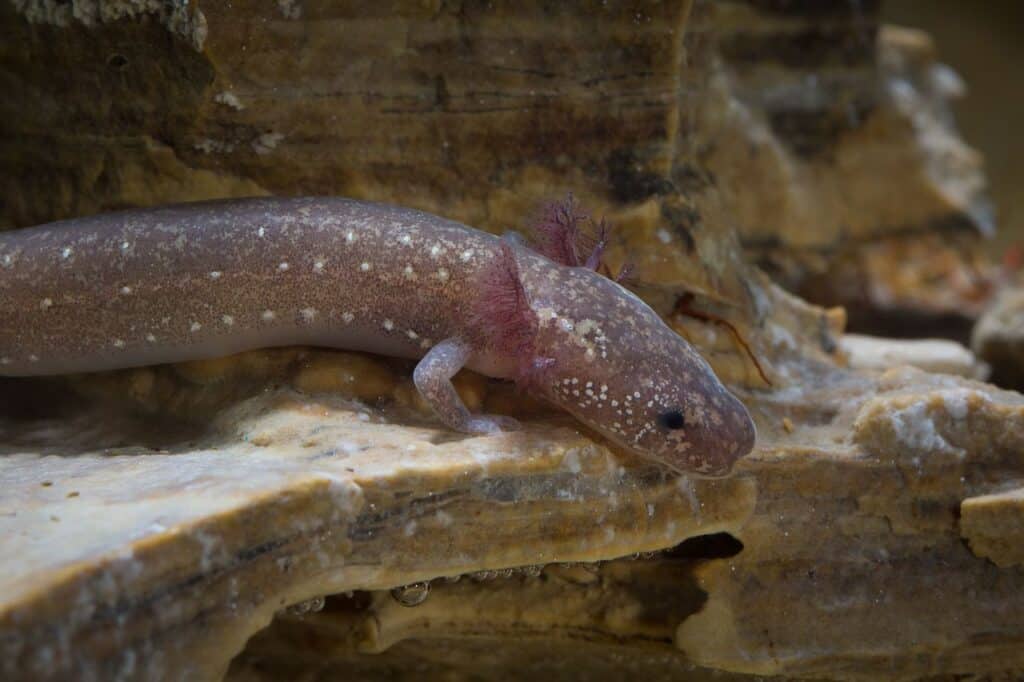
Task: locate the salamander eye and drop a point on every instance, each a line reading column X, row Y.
column 673, row 419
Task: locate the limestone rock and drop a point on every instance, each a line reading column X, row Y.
column 820, row 558
column 994, row 526
column 164, row 558
column 809, row 116
column 933, row 355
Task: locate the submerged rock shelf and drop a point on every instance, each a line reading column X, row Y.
column 837, row 538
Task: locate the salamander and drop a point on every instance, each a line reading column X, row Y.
column 190, row 281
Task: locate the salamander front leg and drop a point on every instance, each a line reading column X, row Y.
column 433, row 378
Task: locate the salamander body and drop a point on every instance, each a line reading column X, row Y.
column 201, row 280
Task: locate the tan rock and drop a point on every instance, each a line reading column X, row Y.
column 286, row 498
column 932, row 355
column 805, row 143
column 994, row 526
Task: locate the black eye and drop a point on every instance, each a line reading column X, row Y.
column 673, row 419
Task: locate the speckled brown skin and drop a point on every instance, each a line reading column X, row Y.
column 208, row 279
column 618, row 365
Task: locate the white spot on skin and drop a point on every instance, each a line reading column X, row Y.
column 308, row 314
column 7, row 260
column 5, row 361
column 215, row 274
column 389, row 325
column 125, row 246
column 283, row 266
column 261, row 232
column 412, row 335
column 350, row 236
column 409, row 272
column 405, row 239
column 466, row 255
column 442, row 275
column 227, row 320
column 426, row 343
column 347, row 317
column 118, row 343
column 33, row 358
column 195, row 327
column 435, row 251
column 126, row 291
column 45, row 303
column 318, row 266
column 364, row 266
column 66, row 252
column 150, row 338
column 267, row 315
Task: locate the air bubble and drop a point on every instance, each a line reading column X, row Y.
column 309, row 606
column 413, row 594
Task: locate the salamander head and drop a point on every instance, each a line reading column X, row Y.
column 621, row 370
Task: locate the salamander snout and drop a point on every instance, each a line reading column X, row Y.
column 684, row 419
column 628, row 375
column 703, row 438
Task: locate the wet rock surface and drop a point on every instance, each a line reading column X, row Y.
column 820, row 557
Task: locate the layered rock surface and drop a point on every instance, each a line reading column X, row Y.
column 155, row 520
column 130, row 549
